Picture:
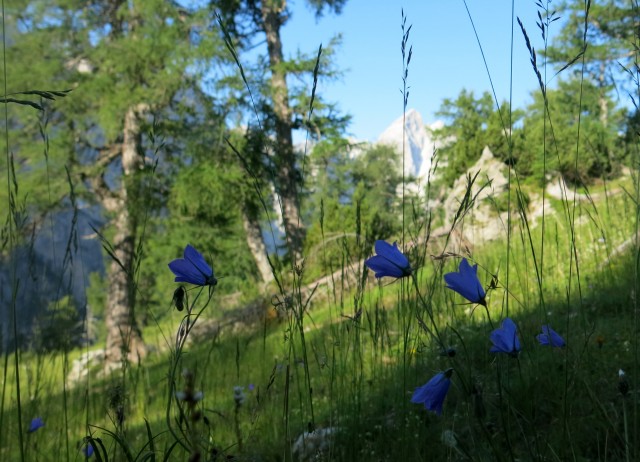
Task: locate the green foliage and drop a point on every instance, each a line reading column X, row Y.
column 115, row 56
column 281, row 94
column 145, row 58
column 464, row 134
column 363, row 369
column 470, row 125
column 96, row 294
column 58, row 328
column 508, row 144
column 607, row 26
column 318, row 6
column 206, row 203
column 574, row 109
column 353, row 199
column 628, row 142
column 305, row 69
column 376, row 177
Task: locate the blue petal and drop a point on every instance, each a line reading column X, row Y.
column 500, row 342
column 389, row 261
column 382, row 267
column 457, row 283
column 186, row 272
column 470, row 273
column 550, row 337
column 392, row 253
column 437, row 398
column 505, row 339
column 465, row 268
column 543, row 339
column 197, row 260
column 420, row 394
column 433, row 393
column 466, row 282
column 514, row 335
column 556, row 339
column 192, row 268
column 35, row 424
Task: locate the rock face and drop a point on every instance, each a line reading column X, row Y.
column 485, row 220
column 314, row 446
column 418, row 145
column 81, row 366
column 45, row 275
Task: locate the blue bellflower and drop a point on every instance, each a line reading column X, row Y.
column 433, row 393
column 35, row 424
column 550, row 337
column 87, row 450
column 389, row 261
column 505, row 339
column 466, row 283
column 193, row 269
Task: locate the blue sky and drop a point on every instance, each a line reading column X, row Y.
column 446, row 55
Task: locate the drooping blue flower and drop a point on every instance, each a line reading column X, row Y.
column 466, row 282
column 193, row 269
column 433, row 393
column 87, row 450
column 389, row 261
column 505, row 339
column 35, row 424
column 550, row 337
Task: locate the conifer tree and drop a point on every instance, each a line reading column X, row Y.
column 128, row 63
column 281, row 111
column 599, row 34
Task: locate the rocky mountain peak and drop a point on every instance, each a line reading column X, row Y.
column 418, row 145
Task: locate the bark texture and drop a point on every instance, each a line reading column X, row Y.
column 602, row 98
column 287, row 176
column 123, row 336
column 256, row 246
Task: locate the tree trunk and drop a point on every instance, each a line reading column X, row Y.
column 123, row 336
column 256, row 246
column 602, row 97
column 287, row 177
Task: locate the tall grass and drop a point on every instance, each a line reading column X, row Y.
column 328, row 370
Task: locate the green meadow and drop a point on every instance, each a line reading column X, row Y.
column 316, row 359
